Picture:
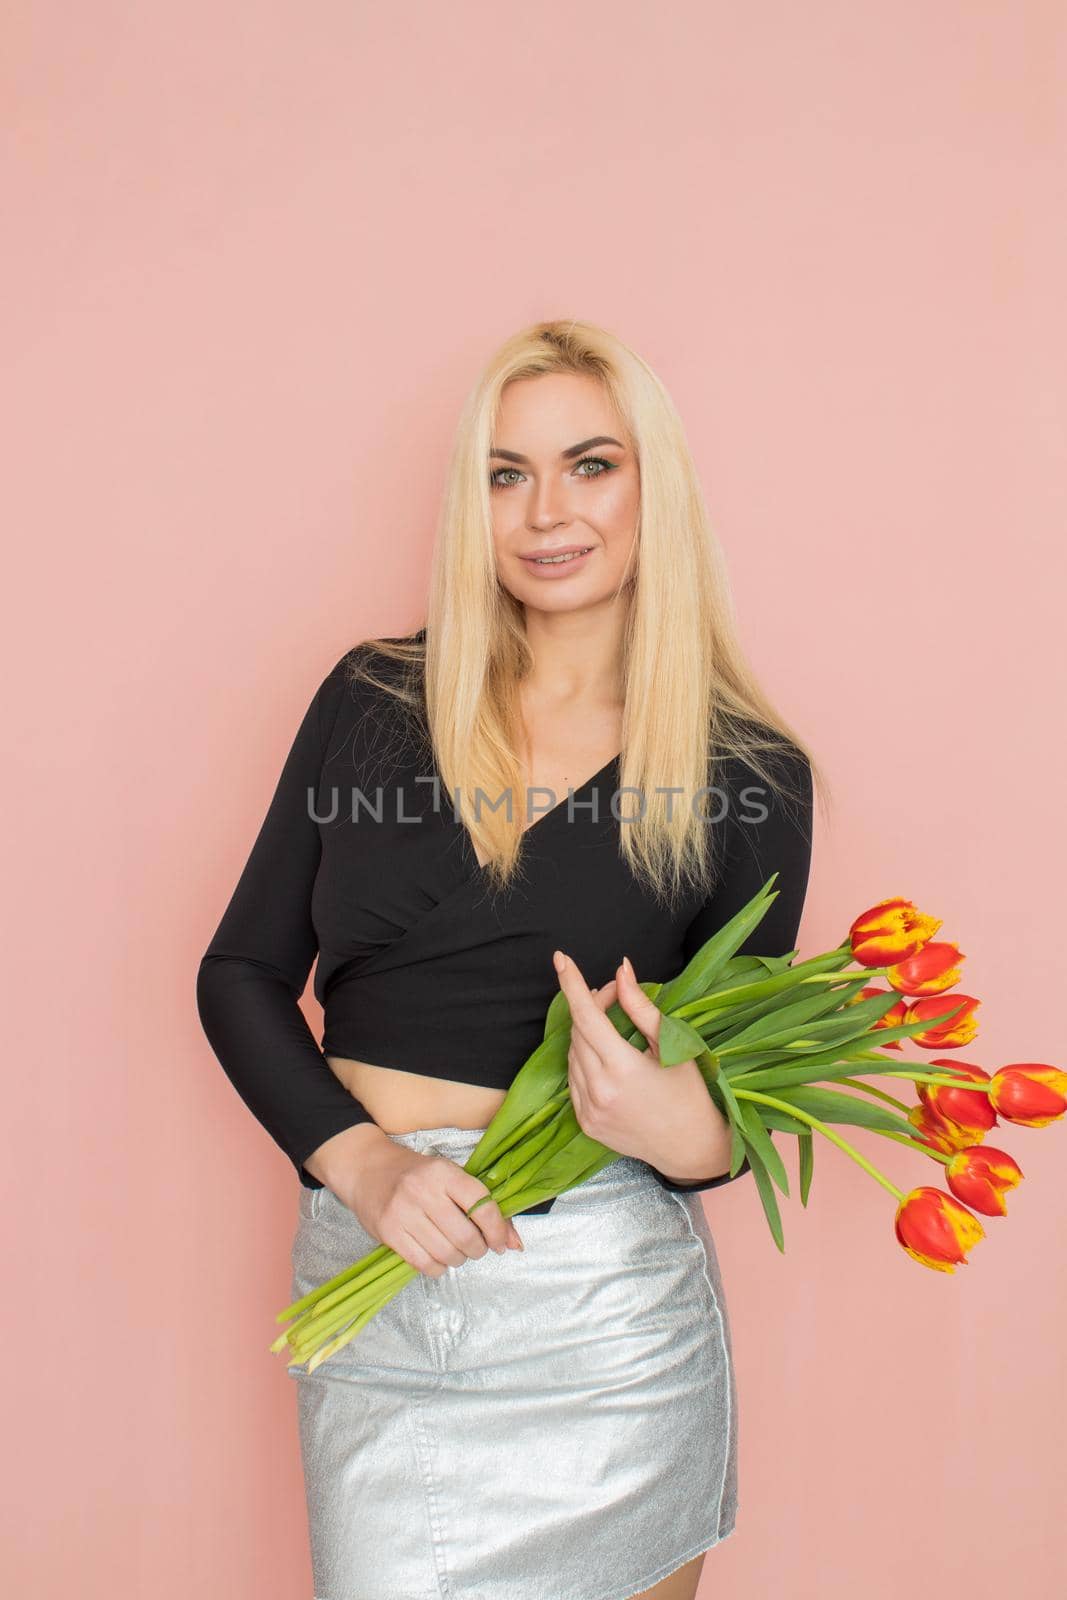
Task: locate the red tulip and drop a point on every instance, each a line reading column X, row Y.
column 935, row 1229
column 954, row 1031
column 980, row 1176
column 890, row 932
column 931, row 970
column 1029, row 1093
column 932, row 1130
column 891, row 1019
column 970, row 1110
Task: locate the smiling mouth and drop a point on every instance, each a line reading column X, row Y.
column 551, row 561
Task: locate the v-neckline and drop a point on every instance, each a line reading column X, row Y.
column 546, row 816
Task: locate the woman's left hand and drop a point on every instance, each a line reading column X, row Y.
column 623, row 1097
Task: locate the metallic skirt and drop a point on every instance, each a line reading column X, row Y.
column 554, row 1423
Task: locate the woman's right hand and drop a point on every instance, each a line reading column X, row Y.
column 416, row 1203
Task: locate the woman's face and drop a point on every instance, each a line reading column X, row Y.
column 562, row 477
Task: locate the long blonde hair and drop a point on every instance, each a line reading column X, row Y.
column 691, row 698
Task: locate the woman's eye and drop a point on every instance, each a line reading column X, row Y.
column 496, row 478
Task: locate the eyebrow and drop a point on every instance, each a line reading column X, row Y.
column 564, row 455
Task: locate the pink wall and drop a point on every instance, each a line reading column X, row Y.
column 258, row 253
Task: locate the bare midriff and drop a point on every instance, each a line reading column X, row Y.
column 403, row 1102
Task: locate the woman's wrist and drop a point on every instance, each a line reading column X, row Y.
column 334, row 1160
column 696, row 1146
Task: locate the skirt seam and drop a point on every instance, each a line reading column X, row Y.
column 727, row 1386
column 422, row 1455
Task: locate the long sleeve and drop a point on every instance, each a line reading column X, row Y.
column 778, row 842
column 256, row 967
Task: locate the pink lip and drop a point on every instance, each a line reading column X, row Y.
column 557, row 569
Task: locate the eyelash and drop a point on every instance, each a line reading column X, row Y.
column 609, row 466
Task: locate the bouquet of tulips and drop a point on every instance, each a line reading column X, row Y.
column 768, row 1037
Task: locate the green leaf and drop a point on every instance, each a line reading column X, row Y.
column 747, row 986
column 575, row 1161
column 752, row 1068
column 624, row 1024
column 726, row 1100
column 757, row 1136
column 543, row 1189
column 771, row 963
column 743, row 964
column 677, row 1042
column 533, row 1136
column 701, row 971
column 737, row 1149
column 904, row 1030
column 720, row 1027
column 837, row 1106
column 542, row 1075
column 782, row 1121
column 730, row 1108
column 558, row 1014
column 806, row 1162
column 773, row 1077
column 766, row 1194
column 786, row 1026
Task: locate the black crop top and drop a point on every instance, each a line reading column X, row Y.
column 420, row 966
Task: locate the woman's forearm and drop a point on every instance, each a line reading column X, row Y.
column 337, row 1157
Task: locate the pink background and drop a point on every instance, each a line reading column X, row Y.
column 257, row 255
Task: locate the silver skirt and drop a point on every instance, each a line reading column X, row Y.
column 547, row 1424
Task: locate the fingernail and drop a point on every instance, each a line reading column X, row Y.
column 626, row 964
column 558, row 960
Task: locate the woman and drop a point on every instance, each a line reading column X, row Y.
column 547, row 1412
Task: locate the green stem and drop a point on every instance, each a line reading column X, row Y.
column 827, row 1131
column 876, row 1094
column 901, row 1105
column 937, row 1078
column 707, row 1007
column 913, row 1144
column 503, row 1145
column 525, row 1175
column 357, row 1269
column 352, row 1297
column 342, row 1290
column 538, row 1133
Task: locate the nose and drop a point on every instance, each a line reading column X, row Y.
column 547, row 509
column 548, row 505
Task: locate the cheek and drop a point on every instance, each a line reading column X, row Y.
column 499, row 522
column 615, row 520
column 614, row 511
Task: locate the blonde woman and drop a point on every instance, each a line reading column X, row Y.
column 568, row 777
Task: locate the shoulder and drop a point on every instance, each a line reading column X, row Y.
column 376, row 667
column 766, row 783
column 754, row 752
column 377, row 685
